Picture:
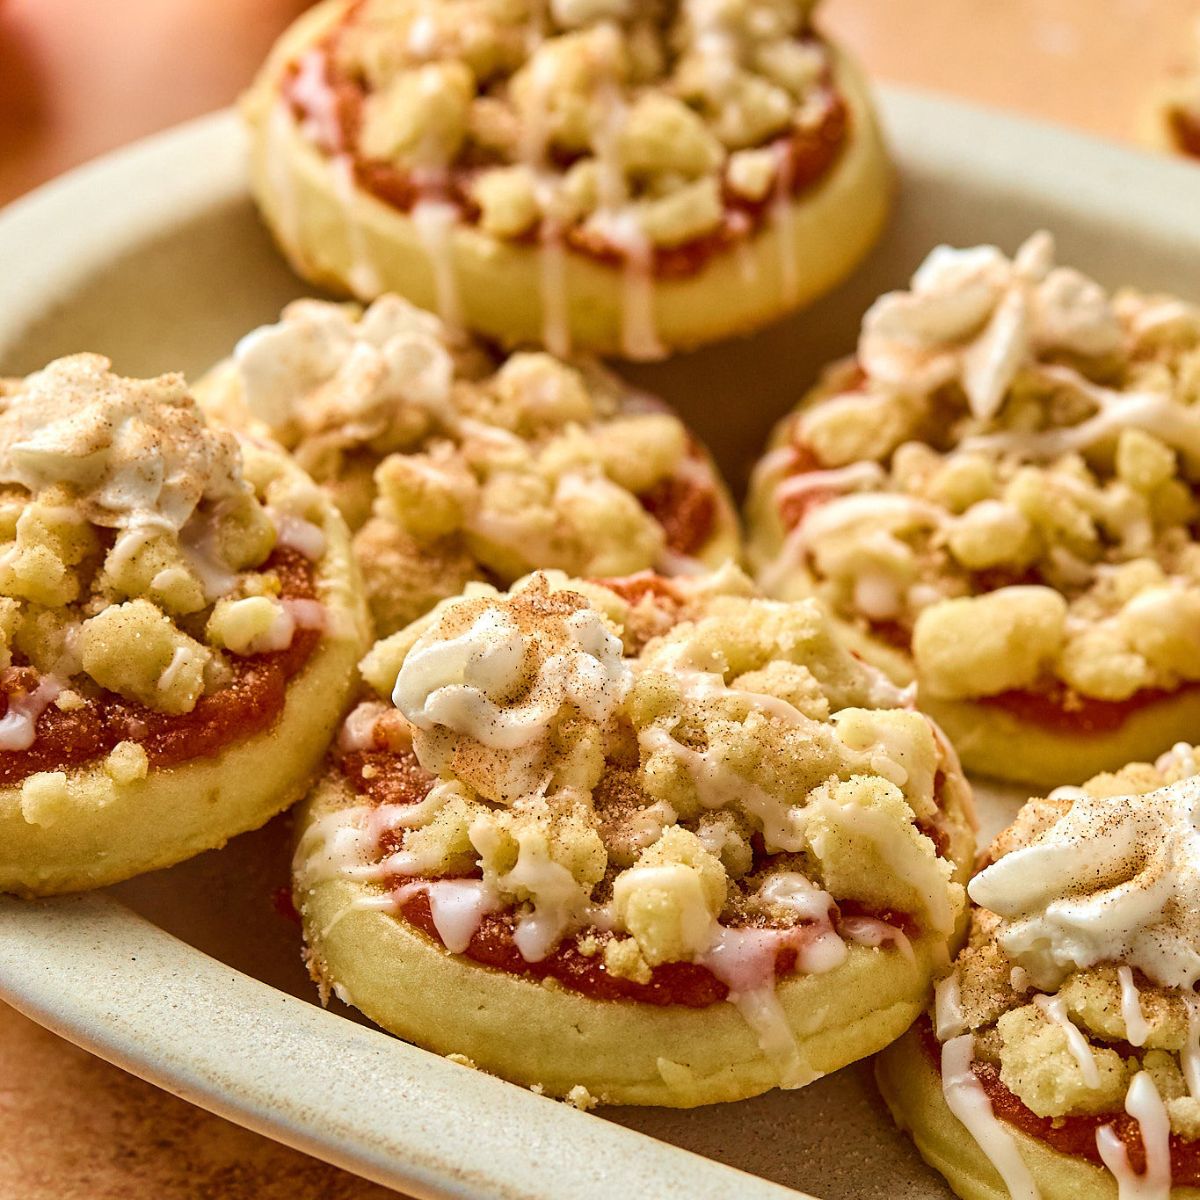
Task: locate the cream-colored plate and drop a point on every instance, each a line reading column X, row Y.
column 191, row 977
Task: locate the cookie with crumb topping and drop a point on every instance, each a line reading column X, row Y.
column 452, row 463
column 601, row 175
column 179, row 621
column 653, row 841
column 1061, row 1057
column 996, row 499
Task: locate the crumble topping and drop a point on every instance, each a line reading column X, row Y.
column 635, row 125
column 696, row 797
column 1079, row 970
column 454, row 467
column 132, row 544
column 1003, row 481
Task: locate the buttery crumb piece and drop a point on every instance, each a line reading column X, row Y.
column 43, row 797
column 579, row 1097
column 623, row 958
column 69, row 700
column 588, row 945
column 126, row 763
column 463, row 1061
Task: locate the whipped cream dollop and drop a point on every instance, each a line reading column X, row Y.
column 320, row 366
column 1116, row 879
column 484, row 684
column 978, row 317
column 134, row 451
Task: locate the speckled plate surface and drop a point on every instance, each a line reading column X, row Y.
column 191, row 977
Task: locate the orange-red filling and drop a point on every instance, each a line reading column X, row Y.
column 248, row 705
column 805, row 155
column 686, row 509
column 1075, row 1136
column 392, row 777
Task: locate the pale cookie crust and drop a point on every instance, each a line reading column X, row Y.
column 327, row 230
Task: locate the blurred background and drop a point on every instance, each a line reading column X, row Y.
column 81, row 77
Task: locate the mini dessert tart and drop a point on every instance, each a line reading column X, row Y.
column 1061, row 1058
column 997, row 499
column 637, row 841
column 180, row 618
column 453, row 465
column 608, row 175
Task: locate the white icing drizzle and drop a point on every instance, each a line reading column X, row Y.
column 781, row 220
column 452, row 682
column 18, row 726
column 295, row 533
column 1136, row 1029
column 744, row 960
column 1153, row 412
column 967, row 1100
column 1111, row 880
column 719, row 786
column 949, row 1019
column 1055, row 1008
column 1144, row 1104
column 435, row 222
column 639, row 325
column 860, row 475
column 128, row 543
column 358, row 730
column 305, row 614
column 201, row 555
column 874, row 933
column 457, row 906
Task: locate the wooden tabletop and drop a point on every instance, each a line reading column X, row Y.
column 78, row 78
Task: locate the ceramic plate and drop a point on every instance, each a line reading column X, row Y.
column 191, row 977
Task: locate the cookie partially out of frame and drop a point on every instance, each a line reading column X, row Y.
column 638, row 841
column 996, row 498
column 1060, row 1058
column 452, row 463
column 606, row 176
column 179, row 622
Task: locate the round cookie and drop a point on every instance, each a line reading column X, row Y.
column 996, row 499
column 180, row 618
column 1059, row 1059
column 453, row 464
column 617, row 178
column 637, row 841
